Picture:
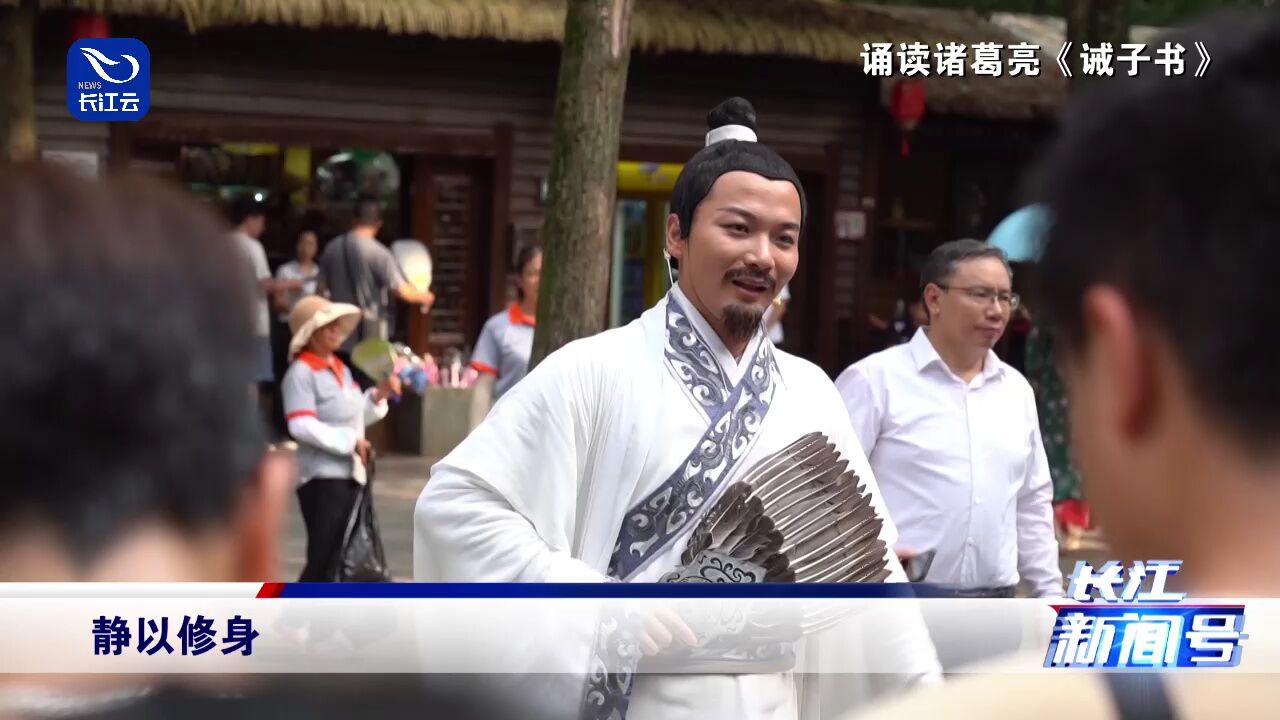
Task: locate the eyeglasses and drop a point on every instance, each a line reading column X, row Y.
column 985, row 295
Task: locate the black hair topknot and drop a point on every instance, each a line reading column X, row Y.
column 734, row 111
column 712, row 161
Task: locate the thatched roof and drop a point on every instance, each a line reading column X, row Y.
column 824, row 30
column 1005, row 97
column 1051, row 31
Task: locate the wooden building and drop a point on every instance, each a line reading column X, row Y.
column 459, row 93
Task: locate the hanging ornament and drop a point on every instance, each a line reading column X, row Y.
column 89, row 26
column 906, row 104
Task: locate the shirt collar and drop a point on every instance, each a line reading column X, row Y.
column 709, row 336
column 993, row 367
column 517, row 317
column 317, row 363
column 922, row 351
column 924, row 354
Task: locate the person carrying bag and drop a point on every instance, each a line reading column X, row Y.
column 373, row 319
column 360, row 557
column 327, row 414
column 355, row 268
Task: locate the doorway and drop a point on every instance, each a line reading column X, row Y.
column 452, row 214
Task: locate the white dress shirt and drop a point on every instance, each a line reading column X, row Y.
column 961, row 465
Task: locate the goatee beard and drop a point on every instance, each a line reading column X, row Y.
column 741, row 322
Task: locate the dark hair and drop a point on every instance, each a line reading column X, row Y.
column 368, row 211
column 942, row 262
column 245, row 206
column 124, row 391
column 526, row 256
column 297, row 239
column 1166, row 188
column 709, row 163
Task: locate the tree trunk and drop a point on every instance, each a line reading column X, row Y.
column 583, row 183
column 1095, row 22
column 17, row 82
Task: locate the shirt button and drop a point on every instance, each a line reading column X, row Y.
column 977, row 501
column 969, row 542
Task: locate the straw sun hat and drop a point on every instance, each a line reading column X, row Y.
column 314, row 312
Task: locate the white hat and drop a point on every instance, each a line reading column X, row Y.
column 314, row 312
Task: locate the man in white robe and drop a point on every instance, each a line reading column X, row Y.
column 598, row 465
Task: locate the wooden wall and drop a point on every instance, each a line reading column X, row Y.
column 55, row 128
column 472, row 92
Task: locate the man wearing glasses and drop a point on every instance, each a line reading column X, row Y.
column 953, row 437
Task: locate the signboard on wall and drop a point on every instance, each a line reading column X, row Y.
column 851, row 224
column 647, row 177
column 82, row 162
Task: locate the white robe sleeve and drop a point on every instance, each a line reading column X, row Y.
column 502, row 507
column 474, row 535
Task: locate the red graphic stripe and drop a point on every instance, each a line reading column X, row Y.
column 271, row 590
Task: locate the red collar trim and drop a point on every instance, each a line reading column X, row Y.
column 517, row 316
column 315, row 362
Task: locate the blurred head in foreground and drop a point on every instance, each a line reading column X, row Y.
column 1159, row 277
column 130, row 450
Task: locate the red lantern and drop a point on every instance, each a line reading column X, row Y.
column 906, row 104
column 89, row 27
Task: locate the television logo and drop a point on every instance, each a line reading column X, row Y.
column 108, row 80
column 1136, row 628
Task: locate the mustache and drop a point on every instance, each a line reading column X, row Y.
column 754, row 275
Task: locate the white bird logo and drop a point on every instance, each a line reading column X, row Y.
column 97, row 59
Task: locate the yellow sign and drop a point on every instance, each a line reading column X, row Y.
column 297, row 165
column 251, row 148
column 647, row 177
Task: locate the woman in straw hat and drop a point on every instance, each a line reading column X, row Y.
column 327, row 414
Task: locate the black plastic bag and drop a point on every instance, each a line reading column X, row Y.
column 361, row 558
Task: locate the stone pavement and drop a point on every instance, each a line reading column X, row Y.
column 400, row 480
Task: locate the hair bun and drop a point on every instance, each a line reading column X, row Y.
column 734, row 111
